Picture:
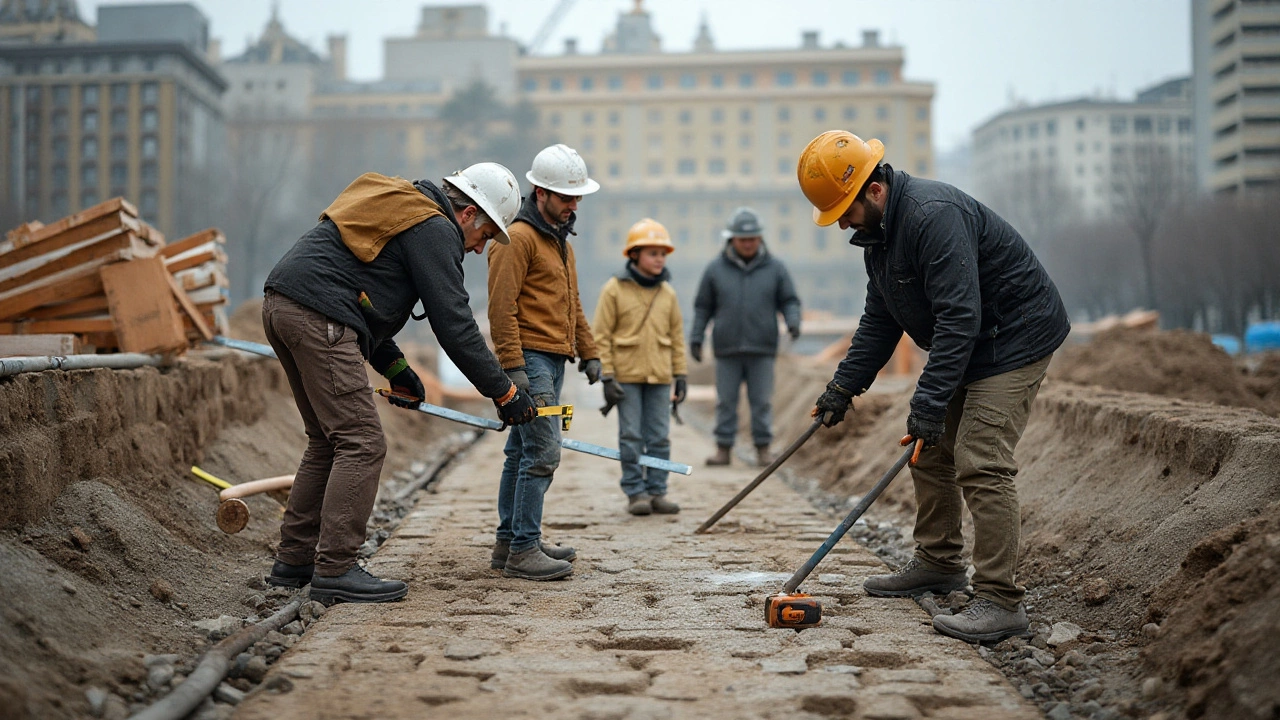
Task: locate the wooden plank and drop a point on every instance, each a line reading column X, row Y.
column 73, row 287
column 209, row 294
column 121, row 245
column 203, row 276
column 141, row 300
column 150, row 234
column 95, row 305
column 189, row 308
column 214, row 254
column 212, row 235
column 38, row 345
column 18, row 237
column 36, row 327
column 71, row 236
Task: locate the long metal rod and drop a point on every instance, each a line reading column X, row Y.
column 848, row 522
column 244, row 345
column 777, row 462
column 38, row 363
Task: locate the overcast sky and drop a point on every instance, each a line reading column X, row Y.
column 979, row 53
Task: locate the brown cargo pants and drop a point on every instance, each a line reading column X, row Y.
column 985, row 421
column 337, row 480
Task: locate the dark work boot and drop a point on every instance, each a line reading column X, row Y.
column 915, row 579
column 640, row 504
column 983, row 621
column 662, row 506
column 356, row 586
column 502, row 548
column 721, row 457
column 533, row 564
column 763, row 456
column 285, row 575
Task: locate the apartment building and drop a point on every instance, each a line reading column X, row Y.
column 1236, row 70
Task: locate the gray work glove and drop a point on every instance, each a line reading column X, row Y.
column 519, row 377
column 592, row 368
column 926, row 429
column 794, row 332
column 695, row 351
column 613, row 394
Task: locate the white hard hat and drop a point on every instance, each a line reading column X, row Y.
column 494, row 190
column 560, row 168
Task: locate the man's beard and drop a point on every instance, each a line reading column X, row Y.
column 873, row 216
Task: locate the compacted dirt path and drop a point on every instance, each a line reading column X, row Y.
column 654, row 623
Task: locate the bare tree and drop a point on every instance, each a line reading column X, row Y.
column 263, row 157
column 1034, row 199
column 1146, row 183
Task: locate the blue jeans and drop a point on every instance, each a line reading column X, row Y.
column 757, row 372
column 533, row 454
column 644, row 426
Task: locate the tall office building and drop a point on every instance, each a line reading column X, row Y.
column 135, row 114
column 1236, row 71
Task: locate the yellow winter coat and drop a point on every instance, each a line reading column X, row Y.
column 639, row 343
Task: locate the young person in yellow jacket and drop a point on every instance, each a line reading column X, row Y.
column 537, row 325
column 640, row 335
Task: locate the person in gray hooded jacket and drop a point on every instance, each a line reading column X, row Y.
column 741, row 293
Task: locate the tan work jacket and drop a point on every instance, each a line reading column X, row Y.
column 640, row 332
column 533, row 298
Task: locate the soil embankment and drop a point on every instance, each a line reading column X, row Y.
column 1148, row 520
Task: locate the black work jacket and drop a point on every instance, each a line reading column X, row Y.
column 962, row 283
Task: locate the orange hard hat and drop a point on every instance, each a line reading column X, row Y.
column 832, row 170
column 648, row 233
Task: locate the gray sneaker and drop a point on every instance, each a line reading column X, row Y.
column 662, row 506
column 533, row 564
column 983, row 621
column 502, row 548
column 914, row 579
column 640, row 504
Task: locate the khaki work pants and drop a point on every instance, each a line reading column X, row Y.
column 985, row 421
column 337, row 480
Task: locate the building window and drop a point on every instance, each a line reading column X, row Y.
column 1017, row 132
column 89, row 148
column 554, row 119
column 1163, row 125
column 615, row 82
column 119, row 121
column 89, row 121
column 717, row 115
column 717, row 141
column 150, row 203
column 89, row 175
column 1033, row 131
column 686, row 117
column 784, row 235
column 784, row 113
column 1184, row 125
column 1051, row 128
column 614, row 169
column 819, row 113
column 530, row 84
column 655, row 141
column 786, row 78
column 744, row 115
column 882, row 112
column 614, row 117
column 555, row 84
column 150, row 147
column 715, row 166
column 150, row 93
column 922, row 113
column 615, row 142
column 785, row 166
column 61, row 121
column 88, row 197
column 588, row 117
column 746, row 80
column 744, row 140
column 587, row 83
column 686, row 166
column 588, row 143
column 89, row 95
column 60, row 176
column 655, row 168
column 119, row 94
column 922, row 140
column 119, row 148
column 655, row 117
column 119, row 176
column 745, row 168
column 59, row 204
column 33, row 94
column 1119, row 124
column 850, row 112
column 883, row 77
column 1142, row 125
column 717, row 80
column 61, row 95
column 654, row 81
column 61, row 147
column 688, row 80
column 850, row 77
column 820, row 77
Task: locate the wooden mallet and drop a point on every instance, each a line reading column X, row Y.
column 233, row 512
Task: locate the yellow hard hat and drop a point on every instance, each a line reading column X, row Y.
column 648, row 233
column 833, row 168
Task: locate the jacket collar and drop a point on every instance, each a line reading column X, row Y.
column 736, row 260
column 530, row 214
column 631, row 274
column 897, row 186
column 428, row 188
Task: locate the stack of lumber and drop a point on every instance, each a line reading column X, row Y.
column 103, row 280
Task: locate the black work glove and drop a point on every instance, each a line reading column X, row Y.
column 832, row 404
column 592, row 368
column 681, row 390
column 926, row 429
column 695, row 351
column 404, row 381
column 519, row 409
column 613, row 394
column 519, row 377
column 794, row 332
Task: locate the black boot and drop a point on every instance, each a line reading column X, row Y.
column 357, row 586
column 285, row 575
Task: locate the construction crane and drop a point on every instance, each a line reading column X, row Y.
column 549, row 25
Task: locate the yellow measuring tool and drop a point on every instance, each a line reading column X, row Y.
column 564, row 411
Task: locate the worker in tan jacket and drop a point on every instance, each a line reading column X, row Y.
column 640, row 333
column 537, row 324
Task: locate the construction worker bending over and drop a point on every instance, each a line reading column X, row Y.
column 742, row 292
column 537, row 325
column 640, row 334
column 335, row 300
column 965, row 286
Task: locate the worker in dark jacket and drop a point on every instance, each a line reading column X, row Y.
column 742, row 292
column 962, row 283
column 336, row 299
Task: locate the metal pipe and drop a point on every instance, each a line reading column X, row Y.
column 117, row 361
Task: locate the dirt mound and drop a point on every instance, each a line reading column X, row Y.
column 1218, row 643
column 1176, row 363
